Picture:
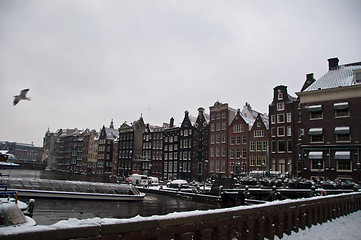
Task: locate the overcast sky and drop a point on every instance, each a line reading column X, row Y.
column 87, row 62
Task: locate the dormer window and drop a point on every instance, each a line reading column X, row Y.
column 357, row 76
column 280, row 95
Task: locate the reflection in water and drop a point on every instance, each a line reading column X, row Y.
column 48, row 211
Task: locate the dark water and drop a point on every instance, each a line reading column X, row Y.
column 48, row 211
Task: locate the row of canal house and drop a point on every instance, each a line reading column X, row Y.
column 315, row 135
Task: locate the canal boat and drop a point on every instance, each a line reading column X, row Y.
column 72, row 189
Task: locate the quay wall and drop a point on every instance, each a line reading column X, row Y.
column 242, row 222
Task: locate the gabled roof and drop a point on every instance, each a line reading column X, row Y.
column 111, row 133
column 340, row 77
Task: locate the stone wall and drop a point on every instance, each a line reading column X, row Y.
column 243, row 222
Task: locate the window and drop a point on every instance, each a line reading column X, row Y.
column 341, row 109
column 281, row 146
column 315, row 112
column 273, row 147
column 244, row 139
column 212, row 127
column 265, row 146
column 218, row 138
column 258, row 133
column 280, row 131
column 343, row 159
column 238, row 140
column 223, row 137
column 223, row 125
column 280, row 118
column 238, row 128
column 252, row 146
column 258, row 146
column 344, row 165
column 244, row 153
column 289, row 131
column 273, row 119
column 317, row 165
column 316, row 135
column 212, row 139
column 232, row 153
column 280, row 96
column 252, row 160
column 289, row 146
column 288, row 117
column 238, row 153
column 273, row 132
column 280, row 106
column 232, row 140
column 218, row 126
column 357, row 75
column 342, row 134
column 223, row 151
column 223, row 115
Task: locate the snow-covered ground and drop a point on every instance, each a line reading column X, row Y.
column 346, row 227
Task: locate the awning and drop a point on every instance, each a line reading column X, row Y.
column 342, row 155
column 342, row 105
column 342, row 130
column 315, row 131
column 315, row 155
column 314, row 108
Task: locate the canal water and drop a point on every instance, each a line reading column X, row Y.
column 49, row 211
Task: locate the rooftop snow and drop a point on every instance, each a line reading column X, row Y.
column 340, row 77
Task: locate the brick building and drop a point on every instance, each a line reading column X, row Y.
column 331, row 129
column 171, row 145
column 220, row 117
column 238, row 144
column 200, row 156
column 283, row 125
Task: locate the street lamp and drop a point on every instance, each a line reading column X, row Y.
column 319, row 170
column 358, row 172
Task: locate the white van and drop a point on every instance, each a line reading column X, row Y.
column 153, row 181
column 137, row 179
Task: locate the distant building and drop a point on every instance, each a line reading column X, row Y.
column 130, row 147
column 259, row 144
column 171, row 145
column 23, row 152
column 187, row 165
column 237, row 144
column 200, row 148
column 331, row 124
column 107, row 136
column 153, row 149
column 220, row 117
column 283, row 122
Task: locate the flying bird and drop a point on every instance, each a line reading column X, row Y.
column 22, row 96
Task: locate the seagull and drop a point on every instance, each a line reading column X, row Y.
column 22, row 96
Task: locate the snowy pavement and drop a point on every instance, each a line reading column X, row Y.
column 346, row 227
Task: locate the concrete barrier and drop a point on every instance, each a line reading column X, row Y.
column 243, row 222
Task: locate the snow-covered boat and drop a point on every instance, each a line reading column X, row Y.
column 72, row 189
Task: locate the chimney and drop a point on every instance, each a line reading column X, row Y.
column 333, row 63
column 171, row 122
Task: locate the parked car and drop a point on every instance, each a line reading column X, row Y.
column 137, row 179
column 178, row 184
column 153, row 181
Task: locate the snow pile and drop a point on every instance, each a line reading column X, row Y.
column 346, row 227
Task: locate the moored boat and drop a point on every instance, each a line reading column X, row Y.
column 72, row 189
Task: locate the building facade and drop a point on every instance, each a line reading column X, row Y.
column 331, row 129
column 283, row 122
column 200, row 158
column 237, row 145
column 259, row 145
